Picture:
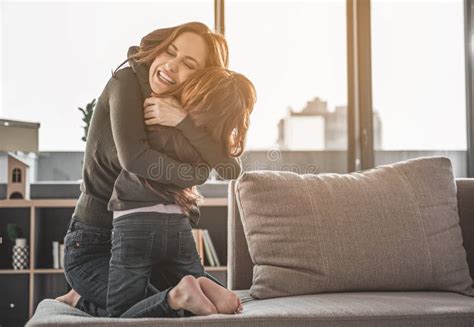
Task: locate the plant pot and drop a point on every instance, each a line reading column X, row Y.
column 20, row 254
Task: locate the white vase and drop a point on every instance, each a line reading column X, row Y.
column 20, row 254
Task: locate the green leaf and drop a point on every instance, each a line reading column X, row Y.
column 87, row 116
column 14, row 231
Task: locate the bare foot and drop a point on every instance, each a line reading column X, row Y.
column 225, row 300
column 70, row 298
column 188, row 295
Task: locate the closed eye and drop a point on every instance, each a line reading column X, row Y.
column 189, row 58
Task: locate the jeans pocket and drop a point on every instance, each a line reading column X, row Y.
column 135, row 246
column 94, row 238
column 71, row 239
column 187, row 250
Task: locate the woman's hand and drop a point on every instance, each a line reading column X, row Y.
column 163, row 111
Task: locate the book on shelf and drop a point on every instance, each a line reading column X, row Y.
column 56, row 255
column 197, row 234
column 61, row 255
column 205, row 247
column 210, row 245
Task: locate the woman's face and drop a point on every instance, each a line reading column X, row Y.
column 185, row 54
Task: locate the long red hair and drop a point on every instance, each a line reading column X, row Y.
column 153, row 44
column 221, row 101
column 216, row 99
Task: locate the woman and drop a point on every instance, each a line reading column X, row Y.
column 155, row 236
column 116, row 140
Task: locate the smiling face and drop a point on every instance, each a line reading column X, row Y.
column 186, row 54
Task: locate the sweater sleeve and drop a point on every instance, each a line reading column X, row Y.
column 133, row 151
column 211, row 152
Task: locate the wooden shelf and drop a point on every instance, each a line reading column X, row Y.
column 44, row 220
column 61, row 271
column 54, row 203
column 39, row 203
column 48, row 271
column 15, row 204
column 14, row 271
column 219, row 268
column 70, row 203
column 214, row 202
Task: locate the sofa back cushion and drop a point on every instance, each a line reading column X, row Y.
column 394, row 227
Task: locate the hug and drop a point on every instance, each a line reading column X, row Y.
column 160, row 126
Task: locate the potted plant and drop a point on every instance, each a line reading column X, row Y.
column 20, row 249
column 87, row 115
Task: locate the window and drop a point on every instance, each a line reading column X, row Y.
column 418, row 72
column 295, row 54
column 57, row 56
column 16, row 175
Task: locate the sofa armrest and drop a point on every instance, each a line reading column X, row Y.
column 239, row 263
column 465, row 195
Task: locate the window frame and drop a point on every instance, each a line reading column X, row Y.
column 360, row 140
column 469, row 57
column 360, row 143
column 16, row 176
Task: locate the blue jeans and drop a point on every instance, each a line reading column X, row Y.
column 86, row 268
column 140, row 242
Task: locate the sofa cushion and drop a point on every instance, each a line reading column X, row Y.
column 322, row 310
column 394, row 227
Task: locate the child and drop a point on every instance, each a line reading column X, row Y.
column 156, row 234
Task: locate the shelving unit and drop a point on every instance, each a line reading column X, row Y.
column 44, row 221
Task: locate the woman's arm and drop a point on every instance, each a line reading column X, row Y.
column 168, row 112
column 128, row 130
column 210, row 151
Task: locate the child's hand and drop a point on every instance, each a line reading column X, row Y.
column 163, row 111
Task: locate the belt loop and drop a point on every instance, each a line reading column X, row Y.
column 71, row 225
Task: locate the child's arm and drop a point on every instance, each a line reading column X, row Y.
column 211, row 152
column 168, row 112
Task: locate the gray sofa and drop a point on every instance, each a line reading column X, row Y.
column 338, row 309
